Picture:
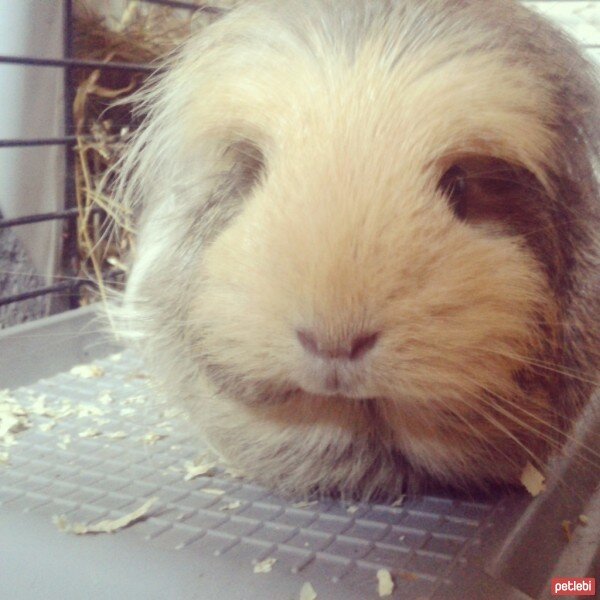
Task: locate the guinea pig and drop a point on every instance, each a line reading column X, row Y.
column 369, row 233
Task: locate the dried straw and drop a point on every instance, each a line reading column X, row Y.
column 141, row 34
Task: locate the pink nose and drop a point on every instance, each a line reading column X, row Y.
column 351, row 349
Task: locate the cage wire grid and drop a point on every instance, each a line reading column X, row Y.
column 67, row 283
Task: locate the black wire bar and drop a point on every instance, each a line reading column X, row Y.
column 69, row 213
column 69, row 238
column 69, row 139
column 188, row 6
column 34, row 61
column 67, row 286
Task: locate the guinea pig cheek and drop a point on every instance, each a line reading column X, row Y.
column 240, row 320
column 475, row 320
column 480, row 320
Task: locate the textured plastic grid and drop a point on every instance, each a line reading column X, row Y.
column 98, row 447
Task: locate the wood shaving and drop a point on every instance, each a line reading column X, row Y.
column 4, row 458
column 39, row 407
column 87, row 371
column 165, row 425
column 231, row 506
column 385, row 584
column 152, row 437
column 89, row 433
column 566, row 527
column 66, row 410
column 13, row 419
column 583, row 519
column 105, row 398
column 8, row 440
column 213, row 491
column 352, row 510
column 308, row 592
column 106, row 526
column 533, row 480
column 199, row 468
column 305, row 504
column 265, row 566
column 398, row 502
column 65, row 441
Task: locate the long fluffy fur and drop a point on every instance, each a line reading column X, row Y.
column 286, row 176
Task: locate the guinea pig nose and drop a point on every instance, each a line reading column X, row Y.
column 352, row 349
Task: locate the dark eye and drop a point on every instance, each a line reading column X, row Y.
column 454, row 186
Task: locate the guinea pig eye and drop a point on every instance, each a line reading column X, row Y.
column 488, row 192
column 454, row 186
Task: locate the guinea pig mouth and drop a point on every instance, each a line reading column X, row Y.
column 332, row 381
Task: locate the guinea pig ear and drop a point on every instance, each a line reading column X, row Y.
column 247, row 165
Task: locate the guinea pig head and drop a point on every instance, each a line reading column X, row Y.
column 375, row 235
column 376, row 253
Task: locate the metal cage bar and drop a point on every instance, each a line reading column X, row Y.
column 70, row 212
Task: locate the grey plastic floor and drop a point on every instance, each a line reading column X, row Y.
column 99, row 447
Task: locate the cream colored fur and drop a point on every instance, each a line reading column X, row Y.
column 357, row 109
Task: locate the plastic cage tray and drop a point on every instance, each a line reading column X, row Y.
column 116, row 446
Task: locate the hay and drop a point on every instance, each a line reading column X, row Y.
column 141, row 34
